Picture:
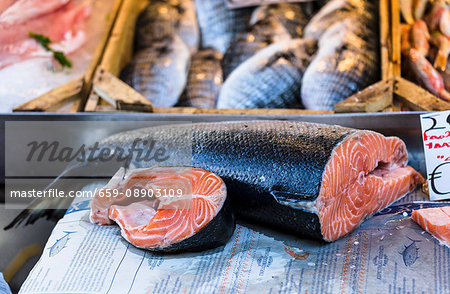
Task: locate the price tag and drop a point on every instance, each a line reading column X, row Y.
column 246, row 3
column 436, row 144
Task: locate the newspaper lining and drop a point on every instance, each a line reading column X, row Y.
column 388, row 253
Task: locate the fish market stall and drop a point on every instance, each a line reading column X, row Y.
column 388, row 251
column 251, row 60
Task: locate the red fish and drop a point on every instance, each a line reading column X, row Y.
column 420, row 37
column 435, row 221
column 427, row 74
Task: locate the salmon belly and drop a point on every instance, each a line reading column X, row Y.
column 435, row 221
column 162, row 208
column 366, row 173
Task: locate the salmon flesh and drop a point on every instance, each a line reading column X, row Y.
column 435, row 221
column 313, row 180
column 166, row 208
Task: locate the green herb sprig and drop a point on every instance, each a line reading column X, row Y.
column 58, row 55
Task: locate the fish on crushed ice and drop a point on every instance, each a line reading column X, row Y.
column 347, row 61
column 219, row 24
column 269, row 79
column 159, row 72
column 204, row 80
column 336, row 11
column 293, row 16
column 162, row 18
column 250, row 41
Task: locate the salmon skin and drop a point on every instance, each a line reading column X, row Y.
column 436, row 221
column 166, row 208
column 314, row 180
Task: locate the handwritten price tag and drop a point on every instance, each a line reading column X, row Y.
column 246, row 3
column 436, row 144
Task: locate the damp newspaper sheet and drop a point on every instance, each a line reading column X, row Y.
column 389, row 253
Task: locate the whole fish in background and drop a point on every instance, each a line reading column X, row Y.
column 426, row 74
column 163, row 18
column 204, row 81
column 254, row 38
column 269, row 79
column 420, row 37
column 446, row 77
column 347, row 62
column 159, row 72
column 443, row 44
column 293, row 16
column 219, row 24
column 335, row 11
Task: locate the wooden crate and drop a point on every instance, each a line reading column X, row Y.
column 409, row 95
column 77, row 90
column 100, row 90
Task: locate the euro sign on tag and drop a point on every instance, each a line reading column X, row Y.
column 436, row 144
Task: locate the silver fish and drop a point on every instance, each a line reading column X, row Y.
column 160, row 71
column 247, row 43
column 347, row 62
column 204, row 80
column 269, row 79
column 219, row 24
column 163, row 18
column 335, row 11
column 293, row 16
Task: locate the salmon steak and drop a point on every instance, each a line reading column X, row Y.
column 313, row 180
column 166, row 208
column 436, row 221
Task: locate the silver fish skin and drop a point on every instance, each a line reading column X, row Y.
column 204, row 80
column 293, row 16
column 219, row 24
column 347, row 62
column 254, row 38
column 160, row 71
column 269, row 79
column 163, row 18
column 337, row 10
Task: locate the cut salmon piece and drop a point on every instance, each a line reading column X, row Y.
column 435, row 221
column 366, row 173
column 166, row 208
